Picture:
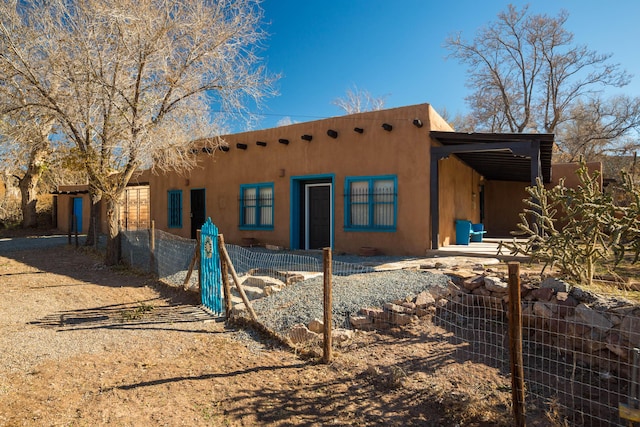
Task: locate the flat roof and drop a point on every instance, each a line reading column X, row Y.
column 505, row 163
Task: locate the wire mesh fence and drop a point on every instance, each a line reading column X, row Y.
column 578, row 370
column 172, row 256
column 577, row 348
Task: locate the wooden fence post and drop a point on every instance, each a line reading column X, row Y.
column 515, row 345
column 152, row 247
column 232, row 270
column 75, row 228
column 194, row 259
column 327, row 272
column 224, row 272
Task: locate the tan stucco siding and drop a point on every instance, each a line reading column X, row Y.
column 503, row 205
column 403, row 152
column 65, row 210
column 504, row 201
column 459, row 196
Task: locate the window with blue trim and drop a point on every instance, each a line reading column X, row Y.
column 175, row 208
column 371, row 203
column 256, row 206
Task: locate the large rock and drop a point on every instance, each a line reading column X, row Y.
column 401, row 319
column 557, row 285
column 630, row 329
column 272, row 289
column 360, row 321
column 473, row 282
column 252, row 292
column 495, row 284
column 542, row 310
column 317, row 326
column 424, row 299
column 398, row 308
column 592, row 318
column 542, row 294
column 263, row 281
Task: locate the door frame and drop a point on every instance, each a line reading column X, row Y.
column 307, row 213
column 204, row 206
column 299, row 208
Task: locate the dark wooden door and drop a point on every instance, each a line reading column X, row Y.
column 319, row 216
column 198, row 211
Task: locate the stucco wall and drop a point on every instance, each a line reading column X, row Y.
column 65, row 210
column 459, row 196
column 404, row 152
column 503, row 204
column 504, row 200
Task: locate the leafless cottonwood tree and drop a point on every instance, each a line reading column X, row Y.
column 135, row 79
column 358, row 100
column 600, row 129
column 526, row 72
column 24, row 154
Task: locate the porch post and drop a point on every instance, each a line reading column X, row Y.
column 536, row 166
column 434, row 201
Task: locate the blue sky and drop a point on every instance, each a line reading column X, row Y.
column 394, row 49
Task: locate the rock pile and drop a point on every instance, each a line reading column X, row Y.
column 595, row 331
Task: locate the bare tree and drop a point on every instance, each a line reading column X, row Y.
column 526, row 71
column 137, row 78
column 358, row 101
column 599, row 128
column 25, row 153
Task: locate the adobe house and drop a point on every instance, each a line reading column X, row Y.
column 73, row 200
column 394, row 180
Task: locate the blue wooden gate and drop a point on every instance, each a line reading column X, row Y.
column 210, row 276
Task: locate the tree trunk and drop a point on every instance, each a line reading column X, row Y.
column 113, row 233
column 28, row 186
column 28, row 196
column 95, row 197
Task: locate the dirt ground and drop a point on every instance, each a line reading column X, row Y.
column 86, row 345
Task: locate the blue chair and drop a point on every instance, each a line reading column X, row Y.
column 477, row 230
column 463, row 231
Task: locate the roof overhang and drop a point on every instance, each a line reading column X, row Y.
column 499, row 156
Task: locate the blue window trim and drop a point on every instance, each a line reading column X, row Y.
column 174, row 208
column 370, row 203
column 257, row 187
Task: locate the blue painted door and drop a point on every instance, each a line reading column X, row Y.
column 210, row 275
column 77, row 211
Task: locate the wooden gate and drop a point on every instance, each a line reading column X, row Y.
column 210, row 276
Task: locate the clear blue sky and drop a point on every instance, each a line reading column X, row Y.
column 394, row 49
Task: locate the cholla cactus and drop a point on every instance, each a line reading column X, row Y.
column 574, row 229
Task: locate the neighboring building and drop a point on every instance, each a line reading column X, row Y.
column 73, row 200
column 394, row 180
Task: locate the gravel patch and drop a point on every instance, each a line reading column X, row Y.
column 302, row 302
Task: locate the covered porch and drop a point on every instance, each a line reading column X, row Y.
column 506, row 164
